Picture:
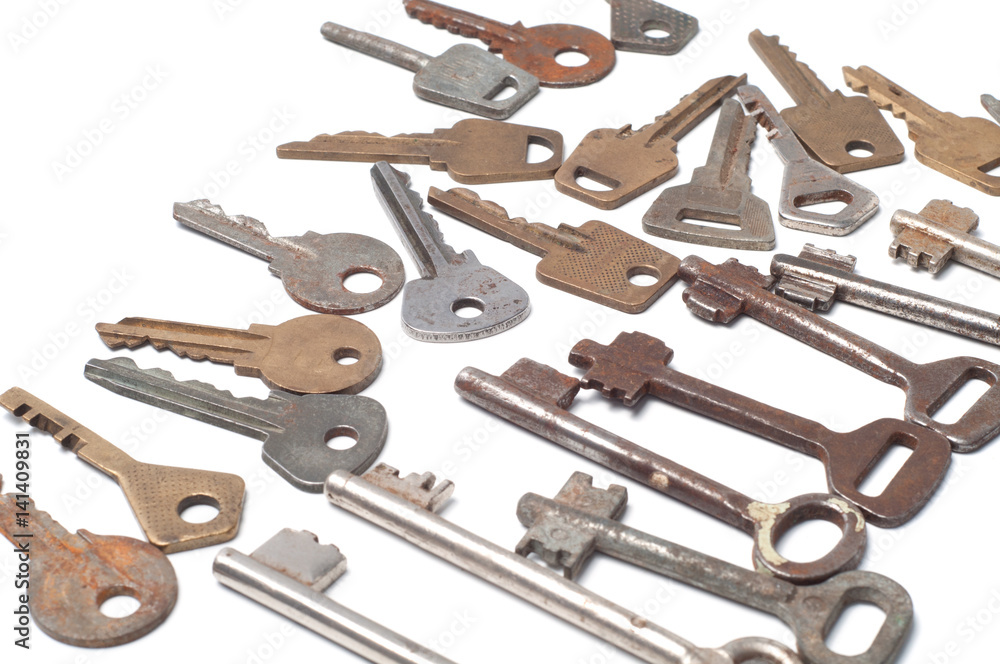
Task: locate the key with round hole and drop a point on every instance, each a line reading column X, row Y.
column 632, row 21
column 582, row 519
column 295, row 428
column 304, row 355
column 720, row 293
column 595, row 261
column 939, row 233
column 157, row 494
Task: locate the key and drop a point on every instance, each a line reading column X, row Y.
column 402, row 506
column 449, row 282
column 294, row 428
column 992, row 105
column 806, row 181
column 829, row 124
column 965, row 149
column 312, row 267
column 463, row 77
column 939, row 233
column 595, row 261
column 532, row 49
column 582, row 519
column 473, row 151
column 156, row 494
column 633, row 20
column 720, row 293
column 719, row 191
column 304, row 355
column 630, row 162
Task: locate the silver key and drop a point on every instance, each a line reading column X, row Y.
column 632, row 20
column 939, row 233
column 449, row 281
column 992, row 105
column 295, row 428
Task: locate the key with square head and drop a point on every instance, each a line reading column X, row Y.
column 304, row 355
column 941, row 232
column 295, row 428
column 829, row 124
column 632, row 21
column 595, row 261
column 629, row 161
column 463, row 77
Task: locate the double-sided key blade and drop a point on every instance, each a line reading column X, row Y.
column 632, row 21
column 939, row 233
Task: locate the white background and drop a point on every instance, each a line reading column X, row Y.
column 235, row 79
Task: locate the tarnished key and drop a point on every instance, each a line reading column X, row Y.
column 449, row 281
column 632, row 21
column 992, row 105
column 532, row 49
column 305, row 355
column 463, row 77
column 595, row 261
column 312, row 267
column 719, row 191
column 472, row 151
column 806, row 181
column 295, row 428
column 939, row 233
column 630, row 161
column 965, row 149
column 829, row 124
column 157, row 494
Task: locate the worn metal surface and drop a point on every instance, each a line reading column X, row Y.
column 992, row 106
column 375, row 498
column 633, row 20
column 720, row 293
column 449, row 281
column 157, row 494
column 301, row 355
column 294, row 428
column 939, row 233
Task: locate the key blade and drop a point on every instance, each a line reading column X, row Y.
column 798, row 79
column 242, row 232
column 298, row 555
column 470, row 79
column 631, row 19
column 198, row 342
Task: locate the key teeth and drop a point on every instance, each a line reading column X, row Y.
column 417, row 489
column 207, row 207
column 580, row 493
column 623, row 370
column 155, row 372
column 428, row 219
column 813, row 294
column 829, row 258
column 493, row 208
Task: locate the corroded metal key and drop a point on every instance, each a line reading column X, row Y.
column 633, row 23
column 595, row 261
column 941, row 232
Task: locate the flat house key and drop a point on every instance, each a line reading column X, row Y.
column 633, row 21
column 630, row 162
column 157, row 494
column 939, row 233
column 302, row 355
column 829, row 124
column 720, row 293
column 595, row 261
column 532, row 49
column 806, row 181
column 295, row 428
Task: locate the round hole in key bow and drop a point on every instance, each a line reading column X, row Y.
column 860, row 149
column 654, row 29
column 118, row 602
column 362, row 282
column 571, row 58
column 341, row 438
column 346, row 356
column 643, row 275
column 468, row 307
column 198, row 509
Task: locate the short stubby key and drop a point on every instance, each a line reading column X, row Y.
column 294, row 428
column 941, row 232
column 633, row 21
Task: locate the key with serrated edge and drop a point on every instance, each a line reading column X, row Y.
column 633, row 20
column 941, row 232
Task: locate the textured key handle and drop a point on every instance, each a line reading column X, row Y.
column 632, row 20
column 375, row 46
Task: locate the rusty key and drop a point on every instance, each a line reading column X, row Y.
column 939, row 233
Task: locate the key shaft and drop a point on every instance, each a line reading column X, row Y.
column 375, row 46
column 939, row 233
column 798, row 79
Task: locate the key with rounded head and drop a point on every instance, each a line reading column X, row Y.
column 634, row 21
column 939, row 233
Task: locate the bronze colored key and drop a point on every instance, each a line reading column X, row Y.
column 829, row 124
column 303, row 355
column 473, row 151
column 965, row 149
column 532, row 49
column 157, row 494
column 595, row 261
column 630, row 162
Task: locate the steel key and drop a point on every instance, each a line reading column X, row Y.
column 992, row 106
column 939, row 233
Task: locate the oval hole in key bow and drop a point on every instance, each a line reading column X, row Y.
column 341, row 438
column 862, row 149
column 654, row 29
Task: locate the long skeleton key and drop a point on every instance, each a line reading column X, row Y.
column 532, row 49
column 473, row 151
column 450, row 282
column 939, row 233
column 720, row 293
column 829, row 124
column 294, row 428
column 806, row 181
column 719, row 191
column 992, row 106
column 157, row 494
column 312, row 267
column 595, row 261
column 965, row 149
column 630, row 161
column 302, row 355
column 632, row 21
column 582, row 519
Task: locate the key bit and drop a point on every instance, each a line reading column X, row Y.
column 594, row 261
column 157, row 494
column 992, row 105
column 939, row 233
column 633, row 20
column 719, row 191
column 422, row 490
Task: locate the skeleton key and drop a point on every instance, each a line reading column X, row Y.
column 595, row 261
column 630, row 162
column 829, row 124
column 473, row 151
column 302, row 355
column 719, row 191
column 633, row 20
column 532, row 49
column 294, row 428
column 157, row 494
column 965, row 149
column 939, row 233
column 992, row 106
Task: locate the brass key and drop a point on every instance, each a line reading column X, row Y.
column 302, row 355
